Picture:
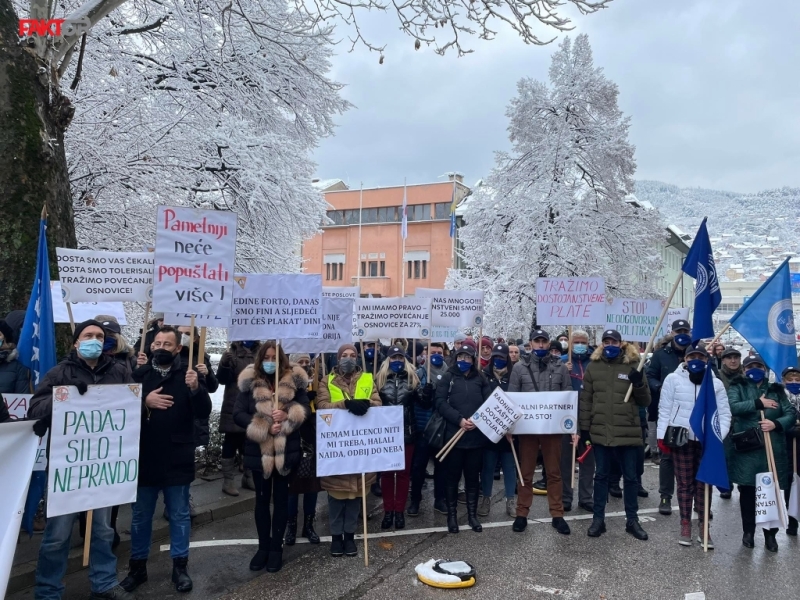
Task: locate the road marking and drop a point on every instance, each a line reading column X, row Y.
column 695, row 596
column 405, row 532
column 573, row 592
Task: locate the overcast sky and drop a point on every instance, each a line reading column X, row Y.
column 711, row 86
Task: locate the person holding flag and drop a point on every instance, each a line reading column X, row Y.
column 682, row 397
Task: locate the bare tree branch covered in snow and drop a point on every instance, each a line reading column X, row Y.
column 556, row 205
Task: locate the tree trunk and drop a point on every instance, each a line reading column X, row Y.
column 33, row 166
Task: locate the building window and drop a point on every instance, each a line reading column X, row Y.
column 387, row 214
column 373, row 268
column 336, row 216
column 418, row 212
column 417, row 269
column 334, row 271
column 441, row 210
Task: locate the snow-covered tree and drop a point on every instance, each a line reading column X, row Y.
column 558, row 204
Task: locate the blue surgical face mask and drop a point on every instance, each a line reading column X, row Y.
column 794, row 388
column 463, row 365
column 611, row 352
column 109, row 344
column 369, row 352
column 90, row 349
column 396, row 365
column 695, row 365
column 542, row 352
column 580, row 349
column 683, row 339
column 499, row 363
column 756, row 374
column 268, row 366
column 437, row 360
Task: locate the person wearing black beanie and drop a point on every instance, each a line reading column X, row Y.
column 13, row 374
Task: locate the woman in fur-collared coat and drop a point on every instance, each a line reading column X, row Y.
column 272, row 449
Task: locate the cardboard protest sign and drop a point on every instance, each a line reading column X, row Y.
column 17, row 405
column 94, row 447
column 17, row 449
column 497, row 416
column 194, row 258
column 347, row 444
column 185, row 319
column 337, row 328
column 768, row 513
column 82, row 311
column 392, row 318
column 276, row 307
column 99, row 276
column 546, row 412
column 571, row 301
column 454, row 308
column 636, row 319
column 329, row 291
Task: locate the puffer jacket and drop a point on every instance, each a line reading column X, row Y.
column 423, row 412
column 263, row 451
column 744, row 399
column 231, row 365
column 459, row 396
column 345, row 484
column 604, row 413
column 551, row 375
column 678, row 396
column 14, row 378
column 396, row 392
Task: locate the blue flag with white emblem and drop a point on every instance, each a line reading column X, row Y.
column 705, row 425
column 37, row 341
column 699, row 265
column 766, row 321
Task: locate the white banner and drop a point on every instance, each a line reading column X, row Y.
column 99, row 276
column 546, row 412
column 445, row 334
column 82, row 311
column 185, row 319
column 454, row 308
column 94, row 447
column 636, row 319
column 337, row 328
column 194, row 258
column 329, row 291
column 392, row 318
column 347, row 444
column 571, row 301
column 17, row 405
column 267, row 306
column 17, row 452
column 497, row 416
column 673, row 314
column 769, row 514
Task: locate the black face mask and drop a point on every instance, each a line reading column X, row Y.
column 162, row 357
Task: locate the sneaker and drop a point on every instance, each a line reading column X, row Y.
column 700, row 540
column 686, row 533
column 115, row 593
column 484, row 506
column 560, row 525
column 520, row 523
column 440, row 506
column 664, row 507
column 511, row 507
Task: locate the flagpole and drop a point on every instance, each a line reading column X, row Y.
column 360, row 208
column 403, row 234
column 453, row 245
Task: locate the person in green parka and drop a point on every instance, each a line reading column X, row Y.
column 748, row 396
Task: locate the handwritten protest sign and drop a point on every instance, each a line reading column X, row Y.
column 276, row 307
column 392, row 317
column 571, row 301
column 497, row 416
column 636, row 319
column 17, row 405
column 546, row 412
column 81, row 311
column 329, row 291
column 337, row 328
column 194, row 257
column 94, row 448
column 768, row 513
column 347, row 444
column 98, row 276
column 185, row 319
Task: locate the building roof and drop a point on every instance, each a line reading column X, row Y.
column 326, row 184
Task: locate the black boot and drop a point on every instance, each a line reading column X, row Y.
column 413, row 508
column 259, row 560
column 399, row 520
column 472, row 511
column 137, row 575
column 350, row 545
column 770, row 543
column 632, row 527
column 388, row 519
column 452, row 509
column 597, row 528
column 337, row 545
column 308, row 530
column 792, row 529
column 274, row 561
column 290, row 537
column 180, row 576
column 747, row 539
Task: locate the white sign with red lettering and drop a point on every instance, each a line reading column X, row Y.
column 195, row 253
column 571, row 301
column 17, row 405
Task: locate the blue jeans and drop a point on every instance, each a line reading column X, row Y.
column 176, row 498
column 490, row 454
column 309, row 505
column 628, row 458
column 53, row 553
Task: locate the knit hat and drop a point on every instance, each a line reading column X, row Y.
column 342, row 348
column 81, row 326
column 468, row 342
column 486, row 341
column 460, row 337
column 8, row 333
column 156, row 316
column 296, row 357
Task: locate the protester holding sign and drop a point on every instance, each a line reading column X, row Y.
column 398, row 385
column 14, row 376
column 459, row 394
column 86, row 365
column 272, row 419
column 791, row 381
column 613, row 426
column 173, row 399
column 348, row 388
column 678, row 396
column 748, row 397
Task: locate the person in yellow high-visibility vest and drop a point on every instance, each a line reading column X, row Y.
column 348, row 388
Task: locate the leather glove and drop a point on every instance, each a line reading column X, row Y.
column 312, row 395
column 357, row 407
column 81, row 385
column 41, row 426
column 663, row 448
column 586, row 438
column 427, row 392
column 636, row 377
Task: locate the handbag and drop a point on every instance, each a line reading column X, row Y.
column 748, row 440
column 675, row 437
column 435, row 428
column 306, row 468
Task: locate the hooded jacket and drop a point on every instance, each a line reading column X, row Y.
column 14, row 378
column 233, row 362
column 678, row 396
column 263, row 451
column 551, row 375
column 459, row 396
column 604, row 413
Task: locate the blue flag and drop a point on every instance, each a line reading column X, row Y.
column 766, row 321
column 699, row 265
column 705, row 425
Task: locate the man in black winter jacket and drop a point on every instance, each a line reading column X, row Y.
column 173, row 399
column 85, row 365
